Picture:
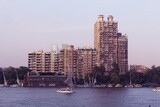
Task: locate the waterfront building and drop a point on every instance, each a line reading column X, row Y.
column 35, row 62
column 44, row 79
column 111, row 46
column 41, row 61
column 80, row 61
column 54, row 61
column 110, row 50
column 86, row 61
column 139, row 68
column 67, row 59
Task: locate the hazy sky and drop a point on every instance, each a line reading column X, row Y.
column 30, row 25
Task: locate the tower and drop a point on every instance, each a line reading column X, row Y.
column 111, row 46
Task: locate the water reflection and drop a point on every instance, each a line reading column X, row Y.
column 84, row 97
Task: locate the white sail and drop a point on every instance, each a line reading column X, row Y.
column 69, row 82
column 18, row 82
column 5, row 81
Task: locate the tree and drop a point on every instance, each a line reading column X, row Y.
column 22, row 71
column 115, row 78
column 10, row 75
column 1, row 77
column 98, row 74
column 115, row 67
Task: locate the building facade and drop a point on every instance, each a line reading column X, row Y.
column 139, row 68
column 111, row 46
column 54, row 61
column 86, row 61
column 36, row 61
column 110, row 50
column 80, row 61
column 44, row 79
column 67, row 59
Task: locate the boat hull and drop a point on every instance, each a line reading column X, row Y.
column 66, row 91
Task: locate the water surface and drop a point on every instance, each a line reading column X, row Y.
column 84, row 97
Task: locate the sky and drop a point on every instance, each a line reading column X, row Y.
column 31, row 25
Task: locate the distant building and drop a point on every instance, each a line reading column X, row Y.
column 44, row 79
column 80, row 61
column 139, row 68
column 86, row 61
column 39, row 61
column 67, row 59
column 54, row 61
column 111, row 46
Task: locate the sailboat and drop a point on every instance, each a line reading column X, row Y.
column 130, row 81
column 18, row 82
column 69, row 82
column 5, row 81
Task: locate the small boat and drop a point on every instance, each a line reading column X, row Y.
column 14, row 85
column 118, row 86
column 1, row 85
column 99, row 86
column 66, row 90
column 129, row 86
column 157, row 89
column 109, row 86
column 137, row 85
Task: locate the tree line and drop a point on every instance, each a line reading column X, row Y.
column 11, row 74
column 149, row 78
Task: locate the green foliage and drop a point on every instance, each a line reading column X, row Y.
column 115, row 68
column 150, row 77
column 98, row 74
column 1, row 77
column 115, row 78
column 11, row 74
column 21, row 71
column 124, row 79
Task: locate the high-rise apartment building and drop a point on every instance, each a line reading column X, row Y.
column 39, row 61
column 110, row 50
column 86, row 61
column 111, row 46
column 67, row 59
column 54, row 61
column 80, row 61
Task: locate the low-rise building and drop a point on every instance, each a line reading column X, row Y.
column 139, row 68
column 44, row 79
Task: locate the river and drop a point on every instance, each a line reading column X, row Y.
column 84, row 97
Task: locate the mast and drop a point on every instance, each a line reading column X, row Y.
column 5, row 81
column 18, row 82
column 69, row 81
column 130, row 81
